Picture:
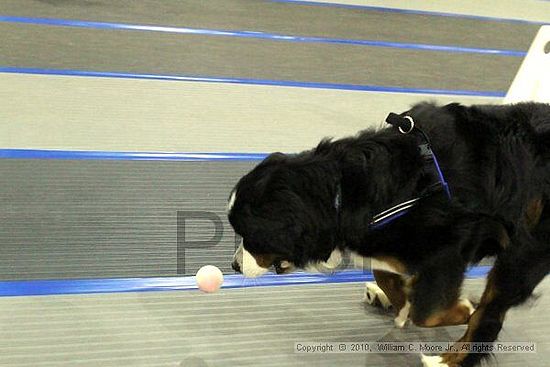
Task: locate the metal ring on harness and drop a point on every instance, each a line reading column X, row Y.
column 411, row 128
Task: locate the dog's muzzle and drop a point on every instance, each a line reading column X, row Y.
column 244, row 262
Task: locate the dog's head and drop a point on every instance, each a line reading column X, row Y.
column 284, row 211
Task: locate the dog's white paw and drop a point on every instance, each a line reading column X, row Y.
column 403, row 316
column 433, row 361
column 376, row 296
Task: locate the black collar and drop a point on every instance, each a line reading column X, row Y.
column 431, row 168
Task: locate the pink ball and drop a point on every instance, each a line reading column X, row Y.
column 209, row 278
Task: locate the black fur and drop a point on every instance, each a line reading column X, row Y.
column 497, row 162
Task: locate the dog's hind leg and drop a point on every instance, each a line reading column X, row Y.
column 511, row 282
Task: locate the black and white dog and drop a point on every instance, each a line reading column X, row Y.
column 444, row 188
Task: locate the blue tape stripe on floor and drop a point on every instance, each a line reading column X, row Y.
column 141, row 156
column 267, row 82
column 409, row 11
column 89, row 286
column 258, row 35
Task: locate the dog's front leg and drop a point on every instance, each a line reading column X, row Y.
column 389, row 291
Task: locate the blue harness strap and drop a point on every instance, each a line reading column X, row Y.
column 406, row 125
column 431, row 168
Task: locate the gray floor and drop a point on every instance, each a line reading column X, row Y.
column 97, row 219
column 101, row 219
column 303, row 20
column 107, row 50
column 110, row 50
column 237, row 327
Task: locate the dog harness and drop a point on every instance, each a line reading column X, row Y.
column 431, row 168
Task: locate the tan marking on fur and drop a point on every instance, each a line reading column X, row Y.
column 533, row 212
column 393, row 263
column 455, row 359
column 504, row 239
column 393, row 286
column 409, row 284
column 457, row 314
column 490, row 292
column 265, row 261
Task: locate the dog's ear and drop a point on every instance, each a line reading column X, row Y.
column 278, row 237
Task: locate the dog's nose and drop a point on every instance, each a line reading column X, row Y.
column 235, row 266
